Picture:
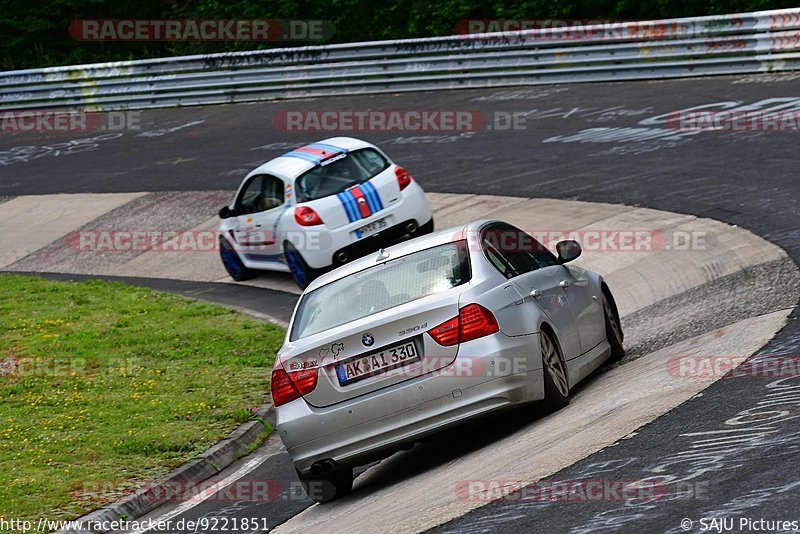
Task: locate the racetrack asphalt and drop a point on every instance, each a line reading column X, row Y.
column 597, row 142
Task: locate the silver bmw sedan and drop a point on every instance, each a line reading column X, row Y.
column 430, row 333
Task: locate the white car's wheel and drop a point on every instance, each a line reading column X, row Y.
column 233, row 264
column 301, row 272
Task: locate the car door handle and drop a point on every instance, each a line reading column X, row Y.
column 536, row 294
column 564, row 284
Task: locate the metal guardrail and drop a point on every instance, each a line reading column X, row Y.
column 726, row 44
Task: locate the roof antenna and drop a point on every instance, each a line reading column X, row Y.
column 382, row 255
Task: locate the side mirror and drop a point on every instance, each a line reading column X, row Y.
column 568, row 250
column 225, row 212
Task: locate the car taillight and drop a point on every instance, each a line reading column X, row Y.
column 306, row 216
column 473, row 321
column 287, row 387
column 403, row 178
column 445, row 334
column 476, row 321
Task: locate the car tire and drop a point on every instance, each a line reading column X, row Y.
column 232, row 263
column 301, row 272
column 614, row 333
column 328, row 487
column 556, row 385
column 426, row 228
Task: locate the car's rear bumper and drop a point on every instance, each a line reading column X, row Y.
column 376, row 424
column 412, row 206
column 385, row 238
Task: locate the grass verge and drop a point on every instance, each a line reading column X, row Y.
column 104, row 387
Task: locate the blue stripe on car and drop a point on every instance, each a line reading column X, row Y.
column 304, row 155
column 351, row 201
column 352, row 205
column 374, row 199
column 377, row 196
column 343, row 200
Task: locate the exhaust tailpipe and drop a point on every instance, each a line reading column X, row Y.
column 411, row 227
column 316, row 468
column 342, row 257
column 328, row 466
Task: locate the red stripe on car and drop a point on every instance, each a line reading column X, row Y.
column 361, row 202
column 324, row 154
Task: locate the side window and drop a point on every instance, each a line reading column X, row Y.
column 514, row 252
column 498, row 260
column 248, row 198
column 541, row 256
column 273, row 193
column 261, row 193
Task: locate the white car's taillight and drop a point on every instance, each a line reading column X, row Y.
column 306, row 216
column 403, row 178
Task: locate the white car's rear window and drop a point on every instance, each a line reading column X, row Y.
column 355, row 168
column 379, row 288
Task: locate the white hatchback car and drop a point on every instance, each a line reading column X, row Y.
column 317, row 207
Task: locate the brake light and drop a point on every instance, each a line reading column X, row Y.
column 476, row 321
column 306, row 216
column 445, row 334
column 287, row 387
column 403, row 178
column 473, row 321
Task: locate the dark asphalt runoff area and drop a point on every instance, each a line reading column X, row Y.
column 730, row 452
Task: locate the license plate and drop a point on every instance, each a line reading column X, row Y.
column 371, row 228
column 377, row 362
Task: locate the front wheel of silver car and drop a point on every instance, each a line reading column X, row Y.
column 325, row 488
column 556, row 386
column 613, row 330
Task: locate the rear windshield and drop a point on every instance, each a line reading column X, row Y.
column 355, row 168
column 384, row 286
